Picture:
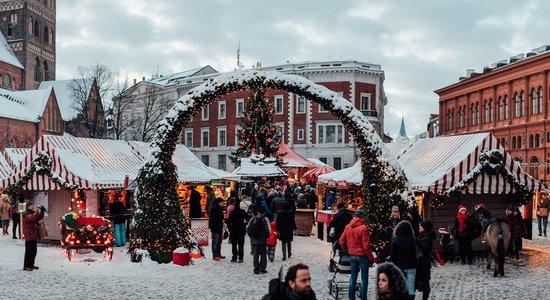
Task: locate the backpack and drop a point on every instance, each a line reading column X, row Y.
column 256, row 228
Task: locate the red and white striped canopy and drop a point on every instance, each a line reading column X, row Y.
column 319, row 170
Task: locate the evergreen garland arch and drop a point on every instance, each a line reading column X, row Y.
column 159, row 225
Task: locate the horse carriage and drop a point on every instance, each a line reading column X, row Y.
column 86, row 233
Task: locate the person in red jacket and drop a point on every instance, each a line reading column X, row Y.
column 272, row 241
column 30, row 229
column 356, row 242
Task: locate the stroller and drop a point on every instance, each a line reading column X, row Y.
column 340, row 265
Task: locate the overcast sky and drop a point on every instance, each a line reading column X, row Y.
column 422, row 45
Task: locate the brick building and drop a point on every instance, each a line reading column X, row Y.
column 307, row 128
column 510, row 100
column 29, row 28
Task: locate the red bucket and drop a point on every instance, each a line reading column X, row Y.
column 181, row 259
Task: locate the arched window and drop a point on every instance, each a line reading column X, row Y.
column 534, row 167
column 13, row 17
column 37, row 70
column 522, row 103
column 472, row 115
column 537, row 140
column 519, row 142
column 500, row 105
column 486, row 116
column 517, row 109
column 50, row 36
column 36, row 28
column 46, row 34
column 30, row 25
column 46, row 71
column 514, row 142
column 505, row 104
column 10, row 29
column 491, row 112
column 477, row 113
column 534, row 106
column 541, row 103
column 531, row 141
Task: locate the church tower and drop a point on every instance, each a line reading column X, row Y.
column 29, row 29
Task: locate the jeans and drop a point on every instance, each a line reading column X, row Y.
column 410, row 275
column 359, row 263
column 120, row 234
column 543, row 222
column 237, row 248
column 465, row 247
column 30, row 253
column 216, row 244
column 517, row 245
column 287, row 246
column 260, row 257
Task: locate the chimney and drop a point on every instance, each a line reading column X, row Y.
column 469, row 72
column 143, row 78
column 135, row 81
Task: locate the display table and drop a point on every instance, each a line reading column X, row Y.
column 304, row 221
column 323, row 218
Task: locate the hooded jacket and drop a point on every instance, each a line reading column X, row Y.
column 403, row 248
column 397, row 281
column 30, row 224
column 356, row 239
column 423, row 270
column 280, row 290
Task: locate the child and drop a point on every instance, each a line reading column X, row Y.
column 447, row 242
column 272, row 241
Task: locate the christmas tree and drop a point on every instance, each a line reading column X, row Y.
column 258, row 134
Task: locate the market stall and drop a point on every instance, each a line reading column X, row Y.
column 294, row 163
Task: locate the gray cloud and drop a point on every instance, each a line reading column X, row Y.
column 422, row 45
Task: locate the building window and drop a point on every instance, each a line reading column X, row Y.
column 189, row 138
column 222, row 162
column 13, row 17
column 222, row 134
column 500, row 107
column 279, row 107
column 205, row 138
column 221, row 110
column 281, row 129
column 46, row 35
column 365, row 104
column 534, row 102
column 519, row 142
column 37, row 70
column 491, row 112
column 323, row 160
column 301, row 104
column 531, row 141
column 514, row 144
column 300, row 134
column 517, row 109
column 522, row 103
column 240, row 107
column 205, row 160
column 205, row 113
column 540, row 100
column 330, row 134
column 36, row 30
column 238, row 129
column 46, row 71
column 537, row 140
column 450, row 117
column 337, row 163
column 30, row 25
column 10, row 30
column 505, row 103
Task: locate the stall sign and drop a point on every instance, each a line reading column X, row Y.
column 342, row 184
column 331, row 183
column 217, row 182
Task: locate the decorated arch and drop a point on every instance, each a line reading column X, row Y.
column 159, row 225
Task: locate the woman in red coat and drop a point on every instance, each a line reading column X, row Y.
column 30, row 229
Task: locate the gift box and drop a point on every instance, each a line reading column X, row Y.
column 181, row 259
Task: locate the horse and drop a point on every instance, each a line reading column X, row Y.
column 497, row 239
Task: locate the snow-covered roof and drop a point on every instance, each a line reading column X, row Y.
column 174, row 79
column 224, row 174
column 293, row 159
column 7, row 55
column 83, row 162
column 316, row 161
column 439, row 164
column 64, row 96
column 23, row 105
column 261, row 169
column 189, row 167
column 398, row 146
column 15, row 156
column 5, row 168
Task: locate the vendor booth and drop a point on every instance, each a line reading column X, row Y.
column 294, row 163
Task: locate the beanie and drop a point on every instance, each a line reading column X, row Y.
column 461, row 207
column 359, row 214
column 427, row 225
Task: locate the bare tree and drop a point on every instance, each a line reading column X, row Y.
column 120, row 108
column 152, row 108
column 92, row 85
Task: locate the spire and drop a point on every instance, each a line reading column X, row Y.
column 402, row 131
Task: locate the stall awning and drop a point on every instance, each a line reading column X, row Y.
column 293, row 159
column 5, row 168
column 250, row 169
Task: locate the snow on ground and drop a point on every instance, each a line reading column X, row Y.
column 90, row 277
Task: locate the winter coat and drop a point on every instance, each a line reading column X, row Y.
column 30, row 224
column 331, row 199
column 403, row 247
column 356, row 239
column 423, row 270
column 282, row 291
column 211, row 196
column 277, row 204
column 116, row 211
column 272, row 239
column 312, row 199
column 236, row 223
column 542, row 203
column 398, row 288
column 195, row 210
column 215, row 223
column 260, row 240
column 286, row 224
column 517, row 226
column 4, row 207
column 339, row 223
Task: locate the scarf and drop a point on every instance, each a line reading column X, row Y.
column 462, row 222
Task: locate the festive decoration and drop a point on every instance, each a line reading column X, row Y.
column 100, row 238
column 257, row 126
column 159, row 225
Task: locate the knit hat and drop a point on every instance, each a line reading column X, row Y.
column 480, row 205
column 427, row 225
column 29, row 203
column 359, row 214
column 395, row 208
column 461, row 207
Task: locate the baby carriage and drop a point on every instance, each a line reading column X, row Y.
column 340, row 264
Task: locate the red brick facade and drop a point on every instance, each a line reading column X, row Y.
column 511, row 102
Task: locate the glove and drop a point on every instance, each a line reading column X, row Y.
column 42, row 209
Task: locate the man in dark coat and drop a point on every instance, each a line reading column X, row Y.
column 116, row 211
column 340, row 221
column 258, row 239
column 195, row 210
column 30, row 229
column 312, row 198
column 215, row 223
column 236, row 223
column 286, row 224
column 426, row 238
column 296, row 286
column 277, row 203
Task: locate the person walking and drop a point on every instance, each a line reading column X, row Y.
column 117, row 211
column 215, row 223
column 356, row 242
column 195, row 210
column 258, row 231
column 462, row 235
column 15, row 218
column 286, row 224
column 339, row 222
column 414, row 217
column 425, row 241
column 272, row 241
column 542, row 214
column 31, row 216
column 392, row 284
column 295, row 286
column 517, row 230
column 403, row 253
column 5, row 213
column 236, row 223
